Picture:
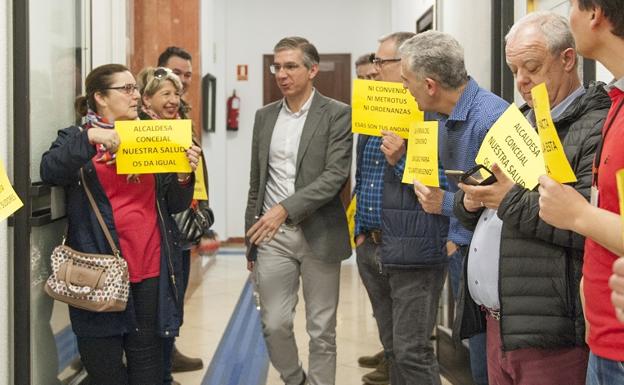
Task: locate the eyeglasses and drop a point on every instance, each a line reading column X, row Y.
column 288, row 67
column 127, row 89
column 379, row 61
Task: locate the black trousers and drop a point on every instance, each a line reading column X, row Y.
column 103, row 357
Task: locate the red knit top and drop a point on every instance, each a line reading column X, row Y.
column 136, row 220
column 606, row 338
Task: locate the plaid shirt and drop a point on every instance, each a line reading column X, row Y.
column 369, row 185
column 460, row 136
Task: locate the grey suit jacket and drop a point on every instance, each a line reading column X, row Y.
column 323, row 163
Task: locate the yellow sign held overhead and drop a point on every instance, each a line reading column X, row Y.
column 557, row 165
column 513, row 144
column 153, row 146
column 9, row 200
column 200, row 192
column 383, row 106
column 421, row 162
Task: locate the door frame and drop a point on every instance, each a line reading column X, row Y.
column 21, row 170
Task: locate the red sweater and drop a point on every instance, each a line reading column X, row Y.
column 606, row 338
column 136, row 221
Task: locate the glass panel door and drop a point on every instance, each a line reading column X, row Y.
column 57, row 62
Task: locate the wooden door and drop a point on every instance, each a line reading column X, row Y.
column 158, row 24
column 333, row 80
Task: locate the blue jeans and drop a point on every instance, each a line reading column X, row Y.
column 477, row 343
column 405, row 304
column 603, row 371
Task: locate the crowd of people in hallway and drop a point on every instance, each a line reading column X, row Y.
column 535, row 274
column 518, row 261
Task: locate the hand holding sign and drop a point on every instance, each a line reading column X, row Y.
column 392, row 146
column 106, row 137
column 430, row 198
column 492, row 195
column 560, row 205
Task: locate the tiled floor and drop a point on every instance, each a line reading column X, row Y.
column 215, row 287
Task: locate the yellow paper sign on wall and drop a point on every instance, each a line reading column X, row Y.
column 421, row 161
column 557, row 165
column 200, row 192
column 9, row 200
column 620, row 185
column 378, row 106
column 513, row 144
column 153, row 146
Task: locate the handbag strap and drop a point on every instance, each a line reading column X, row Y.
column 99, row 216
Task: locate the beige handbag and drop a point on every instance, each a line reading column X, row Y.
column 94, row 282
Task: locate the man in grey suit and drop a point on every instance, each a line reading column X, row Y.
column 300, row 159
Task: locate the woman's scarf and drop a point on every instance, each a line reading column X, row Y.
column 103, row 155
column 95, row 120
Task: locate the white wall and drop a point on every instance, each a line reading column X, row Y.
column 6, row 340
column 469, row 22
column 240, row 32
column 406, row 12
column 109, row 32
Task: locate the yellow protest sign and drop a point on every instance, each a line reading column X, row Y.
column 557, row 165
column 200, row 192
column 620, row 185
column 153, row 146
column 378, row 106
column 9, row 201
column 513, row 144
column 421, row 161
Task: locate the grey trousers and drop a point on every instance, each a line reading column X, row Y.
column 277, row 270
column 405, row 304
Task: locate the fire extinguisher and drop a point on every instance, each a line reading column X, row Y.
column 233, row 106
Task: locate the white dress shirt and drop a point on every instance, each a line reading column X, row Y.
column 283, row 153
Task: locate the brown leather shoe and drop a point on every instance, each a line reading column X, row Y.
column 182, row 363
column 371, row 361
column 379, row 376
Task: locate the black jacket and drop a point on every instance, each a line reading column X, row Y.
column 540, row 266
column 411, row 238
column 60, row 165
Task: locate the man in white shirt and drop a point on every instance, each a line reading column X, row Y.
column 295, row 221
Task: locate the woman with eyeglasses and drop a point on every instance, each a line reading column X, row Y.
column 137, row 211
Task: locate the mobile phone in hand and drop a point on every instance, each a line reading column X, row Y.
column 477, row 176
